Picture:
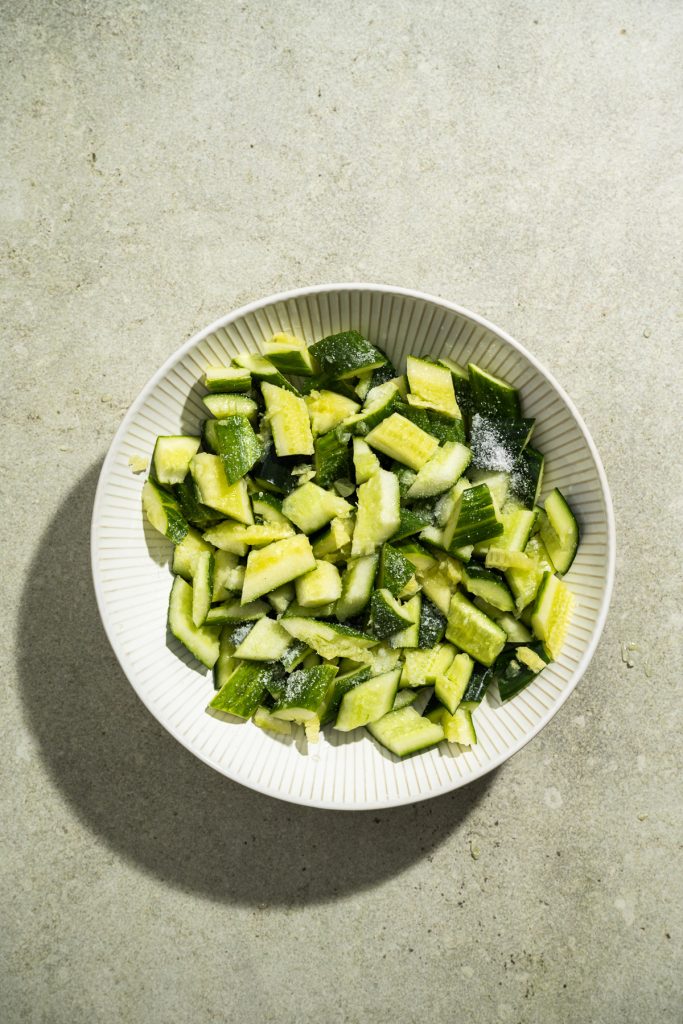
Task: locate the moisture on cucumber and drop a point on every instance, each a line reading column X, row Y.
column 359, row 545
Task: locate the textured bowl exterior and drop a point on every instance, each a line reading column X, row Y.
column 131, row 561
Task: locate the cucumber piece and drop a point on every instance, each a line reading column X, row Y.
column 357, row 584
column 406, row 478
column 394, row 570
column 413, row 409
column 322, row 585
column 513, row 673
column 222, row 406
column 331, row 457
column 267, row 641
column 365, row 462
column 281, row 598
column 498, row 444
column 480, row 680
column 410, row 522
column 289, row 354
column 458, row 727
column 404, row 697
column 230, row 636
column 378, row 514
column 517, row 526
column 334, row 539
column 400, row 439
column 227, row 536
column 444, row 427
column 524, row 583
column 289, row 421
column 405, row 732
column 227, row 379
column 264, row 371
column 268, row 507
column 552, row 613
column 171, row 458
column 185, row 554
column 330, row 639
column 202, row 587
column 387, row 615
column 461, row 386
column 321, row 611
column 198, row 515
column 382, row 374
column 432, row 624
column 234, row 611
column 201, row 641
column 517, row 633
column 472, row 631
column 234, row 440
column 497, row 482
column 327, row 410
column 227, row 575
column 379, row 404
column 277, row 563
column 409, row 637
column 423, row 668
column 526, row 478
column 273, row 474
column 501, row 558
column 445, row 467
column 264, row 720
column 419, row 556
column 438, row 588
column 342, row 685
column 163, row 512
column 245, row 689
column 307, row 694
column 490, row 586
column 492, row 396
column 450, row 687
column 475, row 518
column 310, row 507
column 214, row 490
column 367, row 702
column 344, row 355
column 433, row 384
column 295, row 653
column 364, row 384
column 559, row 531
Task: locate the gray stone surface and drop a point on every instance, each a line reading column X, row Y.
column 164, row 162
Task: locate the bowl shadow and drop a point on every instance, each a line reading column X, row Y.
column 152, row 801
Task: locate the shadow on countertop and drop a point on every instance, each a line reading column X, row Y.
column 149, row 798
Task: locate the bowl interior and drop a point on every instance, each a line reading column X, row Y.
column 131, row 561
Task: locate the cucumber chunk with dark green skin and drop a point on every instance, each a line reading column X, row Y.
column 416, row 415
column 382, row 374
column 197, row 514
column 245, row 688
column 394, row 570
column 480, row 680
column 412, row 521
column 497, row 444
column 235, row 441
column 223, row 405
column 345, row 354
column 403, row 731
column 526, row 477
column 163, row 512
column 342, row 685
column 331, row 458
column 387, row 616
column 492, row 396
column 432, row 625
column 489, row 585
column 477, row 518
column 445, row 427
column 512, row 675
column 367, row 702
column 274, row 473
column 307, row 693
column 559, row 531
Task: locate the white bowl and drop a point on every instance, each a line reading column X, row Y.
column 132, row 578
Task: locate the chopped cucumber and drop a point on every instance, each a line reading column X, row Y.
column 310, row 507
column 400, row 439
column 227, row 378
column 367, row 702
column 288, row 418
column 378, row 513
column 405, row 732
column 163, row 512
column 171, row 458
column 283, row 507
column 202, row 641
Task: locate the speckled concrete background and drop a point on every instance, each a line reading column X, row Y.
column 164, row 162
